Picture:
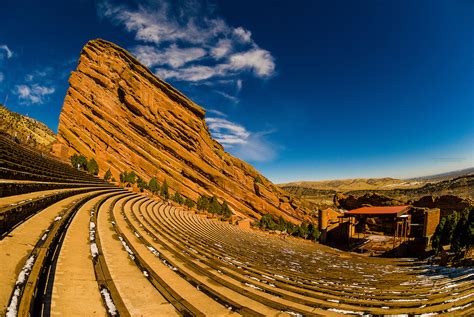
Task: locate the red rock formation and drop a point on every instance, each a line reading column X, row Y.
column 120, row 113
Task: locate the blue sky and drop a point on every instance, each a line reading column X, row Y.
column 303, row 90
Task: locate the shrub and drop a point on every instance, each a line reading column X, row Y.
column 213, row 206
column 108, row 175
column 128, row 178
column 203, row 203
column 164, row 190
column 178, row 198
column 188, row 203
column 79, row 161
column 142, row 185
column 457, row 230
column 463, row 235
column 154, row 186
column 131, row 177
column 226, row 212
column 93, row 167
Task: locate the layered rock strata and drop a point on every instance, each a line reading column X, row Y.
column 120, row 113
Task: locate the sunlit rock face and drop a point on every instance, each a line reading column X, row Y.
column 120, row 113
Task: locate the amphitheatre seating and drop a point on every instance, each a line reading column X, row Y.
column 21, row 163
column 141, row 256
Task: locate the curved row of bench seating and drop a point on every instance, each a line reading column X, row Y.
column 21, row 163
column 198, row 266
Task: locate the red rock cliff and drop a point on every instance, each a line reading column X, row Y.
column 120, row 113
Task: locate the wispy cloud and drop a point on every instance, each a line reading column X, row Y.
column 186, row 41
column 249, row 146
column 6, row 51
column 38, row 74
column 172, row 56
column 2, row 77
column 217, row 113
column 228, row 96
column 33, row 94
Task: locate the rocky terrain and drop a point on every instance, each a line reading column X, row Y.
column 120, row 113
column 26, row 130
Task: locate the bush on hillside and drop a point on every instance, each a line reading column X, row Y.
column 93, row 167
column 164, row 190
column 79, row 161
column 154, row 186
column 108, row 175
column 456, row 230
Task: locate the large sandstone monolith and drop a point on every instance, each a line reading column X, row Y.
column 120, row 113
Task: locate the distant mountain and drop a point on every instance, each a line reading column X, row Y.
column 356, row 184
column 26, row 130
column 445, row 176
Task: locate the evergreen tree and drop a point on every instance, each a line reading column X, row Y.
column 188, row 203
column 108, row 175
column 214, row 206
column 226, row 212
column 93, row 167
column 436, row 241
column 203, row 203
column 123, row 177
column 142, row 185
column 164, row 190
column 178, row 198
column 154, row 186
column 131, row 178
column 79, row 161
column 463, row 235
column 448, row 229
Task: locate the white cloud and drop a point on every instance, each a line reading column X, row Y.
column 259, row 60
column 227, row 132
column 159, row 24
column 222, row 48
column 172, row 56
column 216, row 112
column 228, row 96
column 33, row 94
column 192, row 73
column 243, row 34
column 249, row 146
column 7, row 50
column 187, row 42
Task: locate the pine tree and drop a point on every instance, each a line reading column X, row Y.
column 142, row 185
column 226, row 212
column 164, row 190
column 131, row 178
column 93, row 167
column 79, row 161
column 203, row 203
column 214, row 206
column 154, row 186
column 108, row 175
column 188, row 203
column 178, row 198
